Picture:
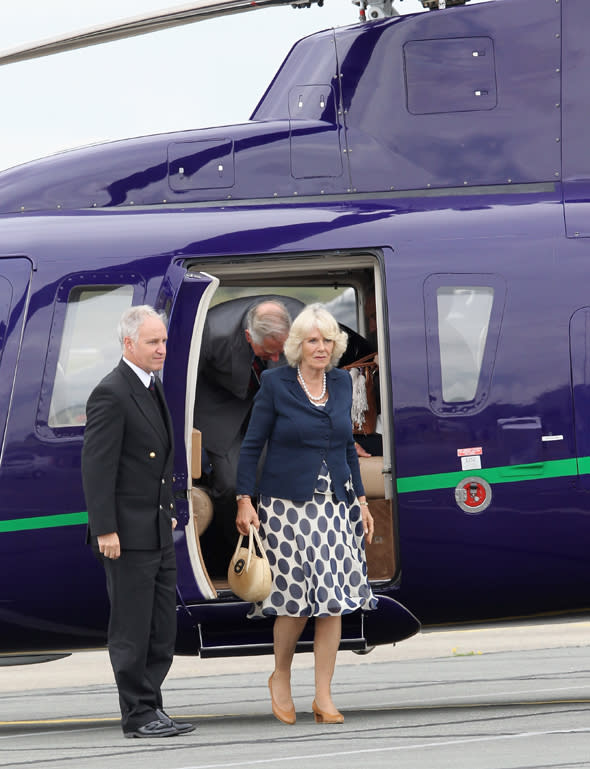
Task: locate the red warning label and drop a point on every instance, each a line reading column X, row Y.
column 470, row 452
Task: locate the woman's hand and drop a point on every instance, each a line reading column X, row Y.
column 246, row 515
column 368, row 522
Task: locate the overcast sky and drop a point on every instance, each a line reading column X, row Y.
column 204, row 74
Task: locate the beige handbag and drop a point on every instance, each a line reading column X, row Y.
column 249, row 574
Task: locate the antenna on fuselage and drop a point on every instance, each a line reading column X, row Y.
column 376, row 9
column 371, row 10
column 434, row 5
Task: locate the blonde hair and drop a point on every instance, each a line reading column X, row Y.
column 312, row 317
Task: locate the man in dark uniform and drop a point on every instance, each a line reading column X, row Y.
column 241, row 338
column 127, row 463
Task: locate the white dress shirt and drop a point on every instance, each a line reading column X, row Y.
column 143, row 375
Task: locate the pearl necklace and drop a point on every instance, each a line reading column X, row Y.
column 306, row 391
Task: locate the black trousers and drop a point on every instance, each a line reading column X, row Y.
column 223, row 496
column 142, row 629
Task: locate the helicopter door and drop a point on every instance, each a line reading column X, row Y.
column 185, row 297
column 15, row 275
column 221, row 628
column 580, row 362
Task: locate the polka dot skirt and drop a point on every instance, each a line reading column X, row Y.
column 316, row 551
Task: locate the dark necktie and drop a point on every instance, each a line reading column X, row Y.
column 256, row 370
column 156, row 397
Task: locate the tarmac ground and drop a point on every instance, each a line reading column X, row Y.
column 502, row 696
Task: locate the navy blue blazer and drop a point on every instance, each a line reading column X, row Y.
column 300, row 435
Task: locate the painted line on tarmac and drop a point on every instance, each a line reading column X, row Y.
column 392, row 749
column 48, row 733
column 109, row 721
column 435, row 702
column 106, row 721
column 419, row 706
column 60, row 721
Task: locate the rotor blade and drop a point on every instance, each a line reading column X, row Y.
column 138, row 25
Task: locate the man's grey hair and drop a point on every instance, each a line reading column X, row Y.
column 132, row 319
column 275, row 322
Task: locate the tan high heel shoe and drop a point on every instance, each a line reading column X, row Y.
column 321, row 717
column 286, row 716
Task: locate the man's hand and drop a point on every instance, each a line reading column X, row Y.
column 360, row 451
column 109, row 545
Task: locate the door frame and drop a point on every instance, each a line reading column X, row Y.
column 17, row 272
column 186, row 297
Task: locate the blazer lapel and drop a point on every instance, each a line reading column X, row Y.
column 152, row 411
column 146, row 403
column 164, row 412
column 241, row 364
column 289, row 376
column 334, row 392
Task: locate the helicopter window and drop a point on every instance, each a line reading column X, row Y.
column 341, row 301
column 463, row 321
column 88, row 349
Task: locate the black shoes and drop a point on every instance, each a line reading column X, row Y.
column 181, row 728
column 154, row 729
column 163, row 726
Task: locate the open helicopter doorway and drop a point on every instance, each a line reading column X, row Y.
column 351, row 287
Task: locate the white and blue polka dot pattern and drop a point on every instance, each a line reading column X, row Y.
column 316, row 551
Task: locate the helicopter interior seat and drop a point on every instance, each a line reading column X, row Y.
column 201, row 501
column 202, row 509
column 381, row 552
column 372, row 475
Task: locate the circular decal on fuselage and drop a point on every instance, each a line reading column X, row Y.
column 473, row 494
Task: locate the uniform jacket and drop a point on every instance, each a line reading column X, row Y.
column 222, row 399
column 127, row 462
column 300, row 436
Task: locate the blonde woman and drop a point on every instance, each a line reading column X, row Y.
column 312, row 511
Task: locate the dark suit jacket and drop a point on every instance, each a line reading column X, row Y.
column 127, row 462
column 222, row 400
column 299, row 437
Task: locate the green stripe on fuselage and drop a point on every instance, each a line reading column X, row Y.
column 44, row 522
column 559, row 468
column 508, row 474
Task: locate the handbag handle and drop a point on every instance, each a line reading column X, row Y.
column 252, row 535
